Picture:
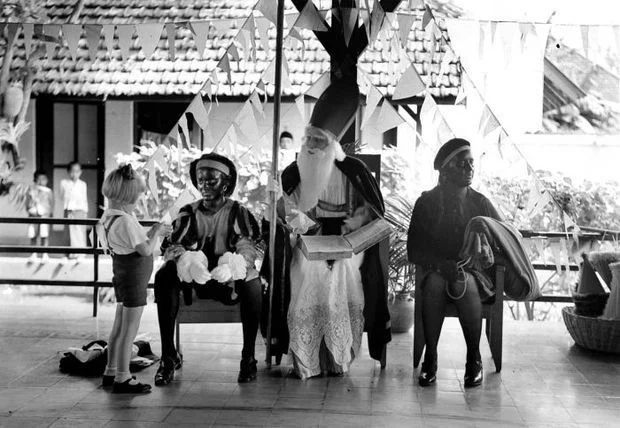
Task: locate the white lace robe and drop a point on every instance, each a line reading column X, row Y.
column 326, row 304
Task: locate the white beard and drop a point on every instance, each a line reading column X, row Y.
column 315, row 171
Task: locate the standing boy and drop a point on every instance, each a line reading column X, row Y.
column 75, row 204
column 40, row 203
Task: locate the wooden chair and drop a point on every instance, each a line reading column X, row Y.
column 205, row 311
column 493, row 314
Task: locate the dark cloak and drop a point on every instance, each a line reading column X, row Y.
column 374, row 267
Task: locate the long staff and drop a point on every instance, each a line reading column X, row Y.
column 274, row 166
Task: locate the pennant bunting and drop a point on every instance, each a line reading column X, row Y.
column 296, row 36
column 171, row 32
column 234, row 52
column 556, row 251
column 491, row 125
column 244, row 41
column 152, row 183
column 108, row 35
column 201, row 32
column 11, row 31
column 263, row 33
column 301, row 107
column 186, row 197
column 93, row 35
column 125, row 39
column 28, row 29
column 199, row 112
column 185, row 130
column 260, row 86
column 388, row 118
column 148, row 37
column 349, row 17
column 493, row 31
column 256, row 103
column 427, row 17
column 250, row 27
column 72, row 34
column 444, row 67
column 158, row 157
column 51, row 31
column 269, row 10
column 461, row 96
column 409, row 85
column 405, row 22
column 364, row 16
column 310, row 19
column 246, row 121
column 224, row 65
column 376, row 22
column 319, row 86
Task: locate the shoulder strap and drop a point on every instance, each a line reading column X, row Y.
column 107, row 230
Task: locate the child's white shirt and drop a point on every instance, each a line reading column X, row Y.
column 124, row 235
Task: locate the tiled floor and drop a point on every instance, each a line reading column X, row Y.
column 546, row 381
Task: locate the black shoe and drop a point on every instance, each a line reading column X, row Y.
column 130, row 388
column 428, row 374
column 165, row 372
column 473, row 374
column 248, row 370
column 107, row 381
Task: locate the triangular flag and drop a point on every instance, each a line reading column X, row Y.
column 376, row 22
column 409, row 85
column 201, row 32
column 263, row 33
column 349, row 16
column 405, row 22
column 372, row 100
column 301, row 107
column 148, row 37
column 427, row 17
column 152, row 183
column 125, row 39
column 319, row 86
column 108, row 35
column 158, row 157
column 258, row 106
column 224, row 65
column 185, row 130
column 93, row 35
column 244, row 41
column 461, row 96
column 269, row 10
column 491, row 125
column 51, row 30
column 171, row 32
column 234, row 52
column 186, row 197
column 28, row 32
column 388, row 118
column 310, row 19
column 72, row 34
column 525, row 30
column 246, row 121
column 260, row 86
column 199, row 112
column 493, row 31
column 295, row 34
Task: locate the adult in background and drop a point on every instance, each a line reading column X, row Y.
column 214, row 225
column 287, row 150
column 331, row 302
column 436, row 235
column 73, row 194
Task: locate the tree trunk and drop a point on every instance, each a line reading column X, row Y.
column 7, row 61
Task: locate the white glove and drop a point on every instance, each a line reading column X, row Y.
column 193, row 266
column 236, row 264
column 222, row 274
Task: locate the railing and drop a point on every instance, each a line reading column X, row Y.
column 587, row 234
column 93, row 250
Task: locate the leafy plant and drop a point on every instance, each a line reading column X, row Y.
column 401, row 273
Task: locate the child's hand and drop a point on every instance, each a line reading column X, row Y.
column 161, row 229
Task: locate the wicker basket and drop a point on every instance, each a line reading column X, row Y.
column 592, row 333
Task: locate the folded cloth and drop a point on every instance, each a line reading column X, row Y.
column 520, row 281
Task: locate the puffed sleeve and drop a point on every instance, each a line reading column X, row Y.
column 248, row 233
column 183, row 231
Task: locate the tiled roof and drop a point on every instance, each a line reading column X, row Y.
column 109, row 75
column 590, row 77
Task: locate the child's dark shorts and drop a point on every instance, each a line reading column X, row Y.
column 132, row 273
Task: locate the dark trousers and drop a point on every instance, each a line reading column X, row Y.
column 168, row 289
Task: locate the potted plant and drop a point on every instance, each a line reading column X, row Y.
column 401, row 272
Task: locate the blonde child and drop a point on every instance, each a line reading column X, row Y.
column 132, row 264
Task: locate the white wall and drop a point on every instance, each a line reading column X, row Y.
column 16, row 233
column 119, row 130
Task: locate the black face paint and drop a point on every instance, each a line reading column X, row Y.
column 211, row 183
column 460, row 170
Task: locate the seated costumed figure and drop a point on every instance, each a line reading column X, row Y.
column 327, row 304
column 436, row 235
column 215, row 225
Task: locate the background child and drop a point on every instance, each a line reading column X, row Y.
column 132, row 264
column 73, row 193
column 40, row 203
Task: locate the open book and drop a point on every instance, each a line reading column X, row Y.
column 335, row 247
